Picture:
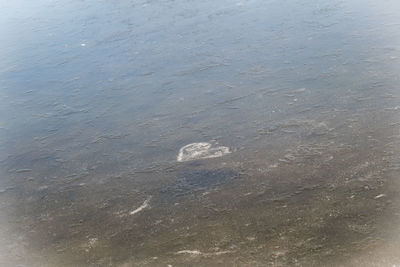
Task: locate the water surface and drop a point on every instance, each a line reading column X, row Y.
column 98, row 97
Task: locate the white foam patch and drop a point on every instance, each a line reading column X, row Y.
column 201, row 151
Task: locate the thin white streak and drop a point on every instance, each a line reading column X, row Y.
column 195, row 252
column 199, row 253
column 142, row 207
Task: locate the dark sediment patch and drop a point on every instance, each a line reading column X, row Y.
column 198, row 180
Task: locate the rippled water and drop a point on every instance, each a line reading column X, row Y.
column 98, row 97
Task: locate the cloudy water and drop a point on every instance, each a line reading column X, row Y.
column 199, row 133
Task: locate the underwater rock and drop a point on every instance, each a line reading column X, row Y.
column 191, row 181
column 201, row 151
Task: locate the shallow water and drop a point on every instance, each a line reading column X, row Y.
column 98, row 98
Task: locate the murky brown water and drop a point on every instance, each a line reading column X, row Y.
column 98, row 98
